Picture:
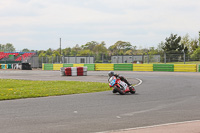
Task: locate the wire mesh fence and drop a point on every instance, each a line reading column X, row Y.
column 173, row 58
column 181, row 58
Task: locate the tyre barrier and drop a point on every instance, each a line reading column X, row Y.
column 104, row 67
column 163, row 67
column 185, row 68
column 123, row 67
column 143, row 67
column 129, row 67
column 57, row 66
column 26, row 66
column 199, row 68
column 5, row 66
column 62, row 71
column 73, row 71
column 21, row 66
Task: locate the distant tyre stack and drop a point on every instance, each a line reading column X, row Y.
column 73, row 71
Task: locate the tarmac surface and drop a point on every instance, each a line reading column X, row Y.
column 164, row 102
column 181, row 127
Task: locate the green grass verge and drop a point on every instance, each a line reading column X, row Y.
column 16, row 89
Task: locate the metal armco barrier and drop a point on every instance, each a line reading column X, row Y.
column 73, row 71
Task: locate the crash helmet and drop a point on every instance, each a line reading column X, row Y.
column 111, row 73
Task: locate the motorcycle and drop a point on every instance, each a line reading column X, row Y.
column 120, row 86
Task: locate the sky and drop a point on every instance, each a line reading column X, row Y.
column 39, row 24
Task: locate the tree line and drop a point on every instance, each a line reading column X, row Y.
column 172, row 44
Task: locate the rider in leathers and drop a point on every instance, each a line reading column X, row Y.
column 111, row 73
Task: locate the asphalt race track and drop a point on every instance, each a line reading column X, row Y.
column 163, row 97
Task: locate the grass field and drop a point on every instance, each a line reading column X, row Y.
column 16, row 89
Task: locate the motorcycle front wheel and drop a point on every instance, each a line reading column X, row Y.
column 132, row 90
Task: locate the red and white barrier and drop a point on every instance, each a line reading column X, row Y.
column 74, row 71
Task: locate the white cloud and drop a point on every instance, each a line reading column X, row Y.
column 104, row 20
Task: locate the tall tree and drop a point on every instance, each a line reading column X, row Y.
column 25, row 50
column 100, row 48
column 193, row 45
column 7, row 47
column 199, row 38
column 66, row 51
column 90, row 45
column 120, row 47
column 49, row 51
column 172, row 44
column 160, row 46
column 1, row 47
column 185, row 40
column 196, row 54
column 75, row 50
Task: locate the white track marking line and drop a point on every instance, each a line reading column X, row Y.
column 140, row 82
column 136, row 128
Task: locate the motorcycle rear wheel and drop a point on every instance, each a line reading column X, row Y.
column 121, row 92
column 115, row 91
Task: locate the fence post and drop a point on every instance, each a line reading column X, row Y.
column 148, row 57
column 102, row 58
column 42, row 59
column 89, row 58
column 184, row 57
column 75, row 59
column 117, row 58
column 165, row 57
column 143, row 60
column 132, row 58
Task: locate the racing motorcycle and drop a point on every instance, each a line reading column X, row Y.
column 120, row 86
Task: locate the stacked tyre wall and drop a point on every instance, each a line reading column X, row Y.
column 5, row 66
column 129, row 67
column 22, row 66
column 199, row 68
column 73, row 71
